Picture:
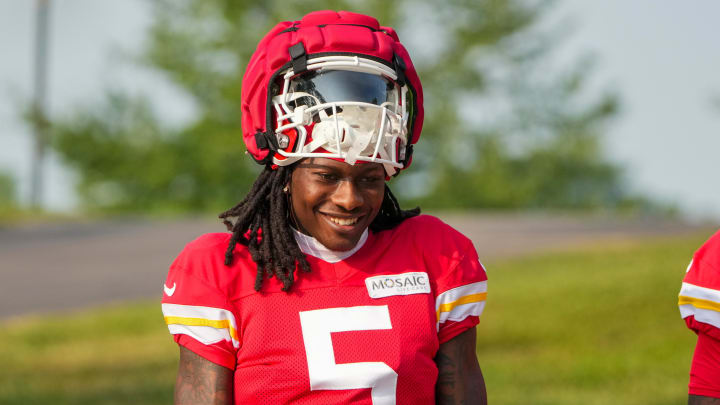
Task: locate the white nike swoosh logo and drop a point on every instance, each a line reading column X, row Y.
column 169, row 291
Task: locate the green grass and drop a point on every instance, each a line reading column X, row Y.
column 120, row 355
column 597, row 326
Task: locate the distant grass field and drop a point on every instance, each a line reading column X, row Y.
column 592, row 326
column 599, row 326
column 120, row 355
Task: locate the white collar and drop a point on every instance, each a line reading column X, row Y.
column 313, row 247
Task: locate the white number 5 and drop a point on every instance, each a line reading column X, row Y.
column 325, row 374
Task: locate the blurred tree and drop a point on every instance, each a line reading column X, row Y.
column 8, row 198
column 538, row 145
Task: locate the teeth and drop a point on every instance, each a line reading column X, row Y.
column 341, row 221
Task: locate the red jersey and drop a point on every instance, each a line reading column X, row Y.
column 362, row 327
column 700, row 307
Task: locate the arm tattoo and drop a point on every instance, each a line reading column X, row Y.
column 460, row 380
column 445, row 387
column 700, row 400
column 202, row 382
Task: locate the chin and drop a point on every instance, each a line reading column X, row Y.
column 339, row 238
column 341, row 245
column 340, row 242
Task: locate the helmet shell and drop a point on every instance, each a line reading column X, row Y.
column 322, row 33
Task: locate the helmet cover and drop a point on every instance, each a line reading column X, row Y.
column 334, row 84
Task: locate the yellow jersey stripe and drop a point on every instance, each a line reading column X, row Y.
column 699, row 303
column 468, row 299
column 217, row 324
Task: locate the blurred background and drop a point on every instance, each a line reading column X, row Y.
column 559, row 135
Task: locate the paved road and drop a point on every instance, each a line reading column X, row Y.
column 63, row 266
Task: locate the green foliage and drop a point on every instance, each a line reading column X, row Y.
column 7, row 191
column 8, row 197
column 129, row 162
column 539, row 143
column 556, row 175
column 593, row 326
column 543, row 151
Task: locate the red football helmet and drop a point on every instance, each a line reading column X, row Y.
column 334, row 84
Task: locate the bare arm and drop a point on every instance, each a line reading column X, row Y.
column 700, row 400
column 460, row 380
column 202, row 382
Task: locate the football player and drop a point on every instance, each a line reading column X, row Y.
column 325, row 291
column 700, row 307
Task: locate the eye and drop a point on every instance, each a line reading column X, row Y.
column 327, row 177
column 372, row 179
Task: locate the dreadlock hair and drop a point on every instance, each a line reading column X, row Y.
column 262, row 223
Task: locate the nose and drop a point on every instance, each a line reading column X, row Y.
column 347, row 196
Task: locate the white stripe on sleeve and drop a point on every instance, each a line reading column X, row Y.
column 205, row 324
column 460, row 302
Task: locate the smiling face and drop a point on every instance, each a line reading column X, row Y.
column 334, row 202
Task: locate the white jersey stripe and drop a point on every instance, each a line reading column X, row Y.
column 205, row 324
column 694, row 291
column 700, row 302
column 459, row 292
column 708, row 316
column 460, row 302
column 461, row 312
column 206, row 335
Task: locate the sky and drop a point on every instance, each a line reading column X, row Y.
column 661, row 57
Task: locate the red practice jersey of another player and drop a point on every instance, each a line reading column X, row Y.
column 700, row 307
column 362, row 327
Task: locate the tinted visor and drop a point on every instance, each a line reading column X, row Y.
column 341, row 85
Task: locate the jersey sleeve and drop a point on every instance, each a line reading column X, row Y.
column 699, row 296
column 197, row 312
column 461, row 292
column 699, row 302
